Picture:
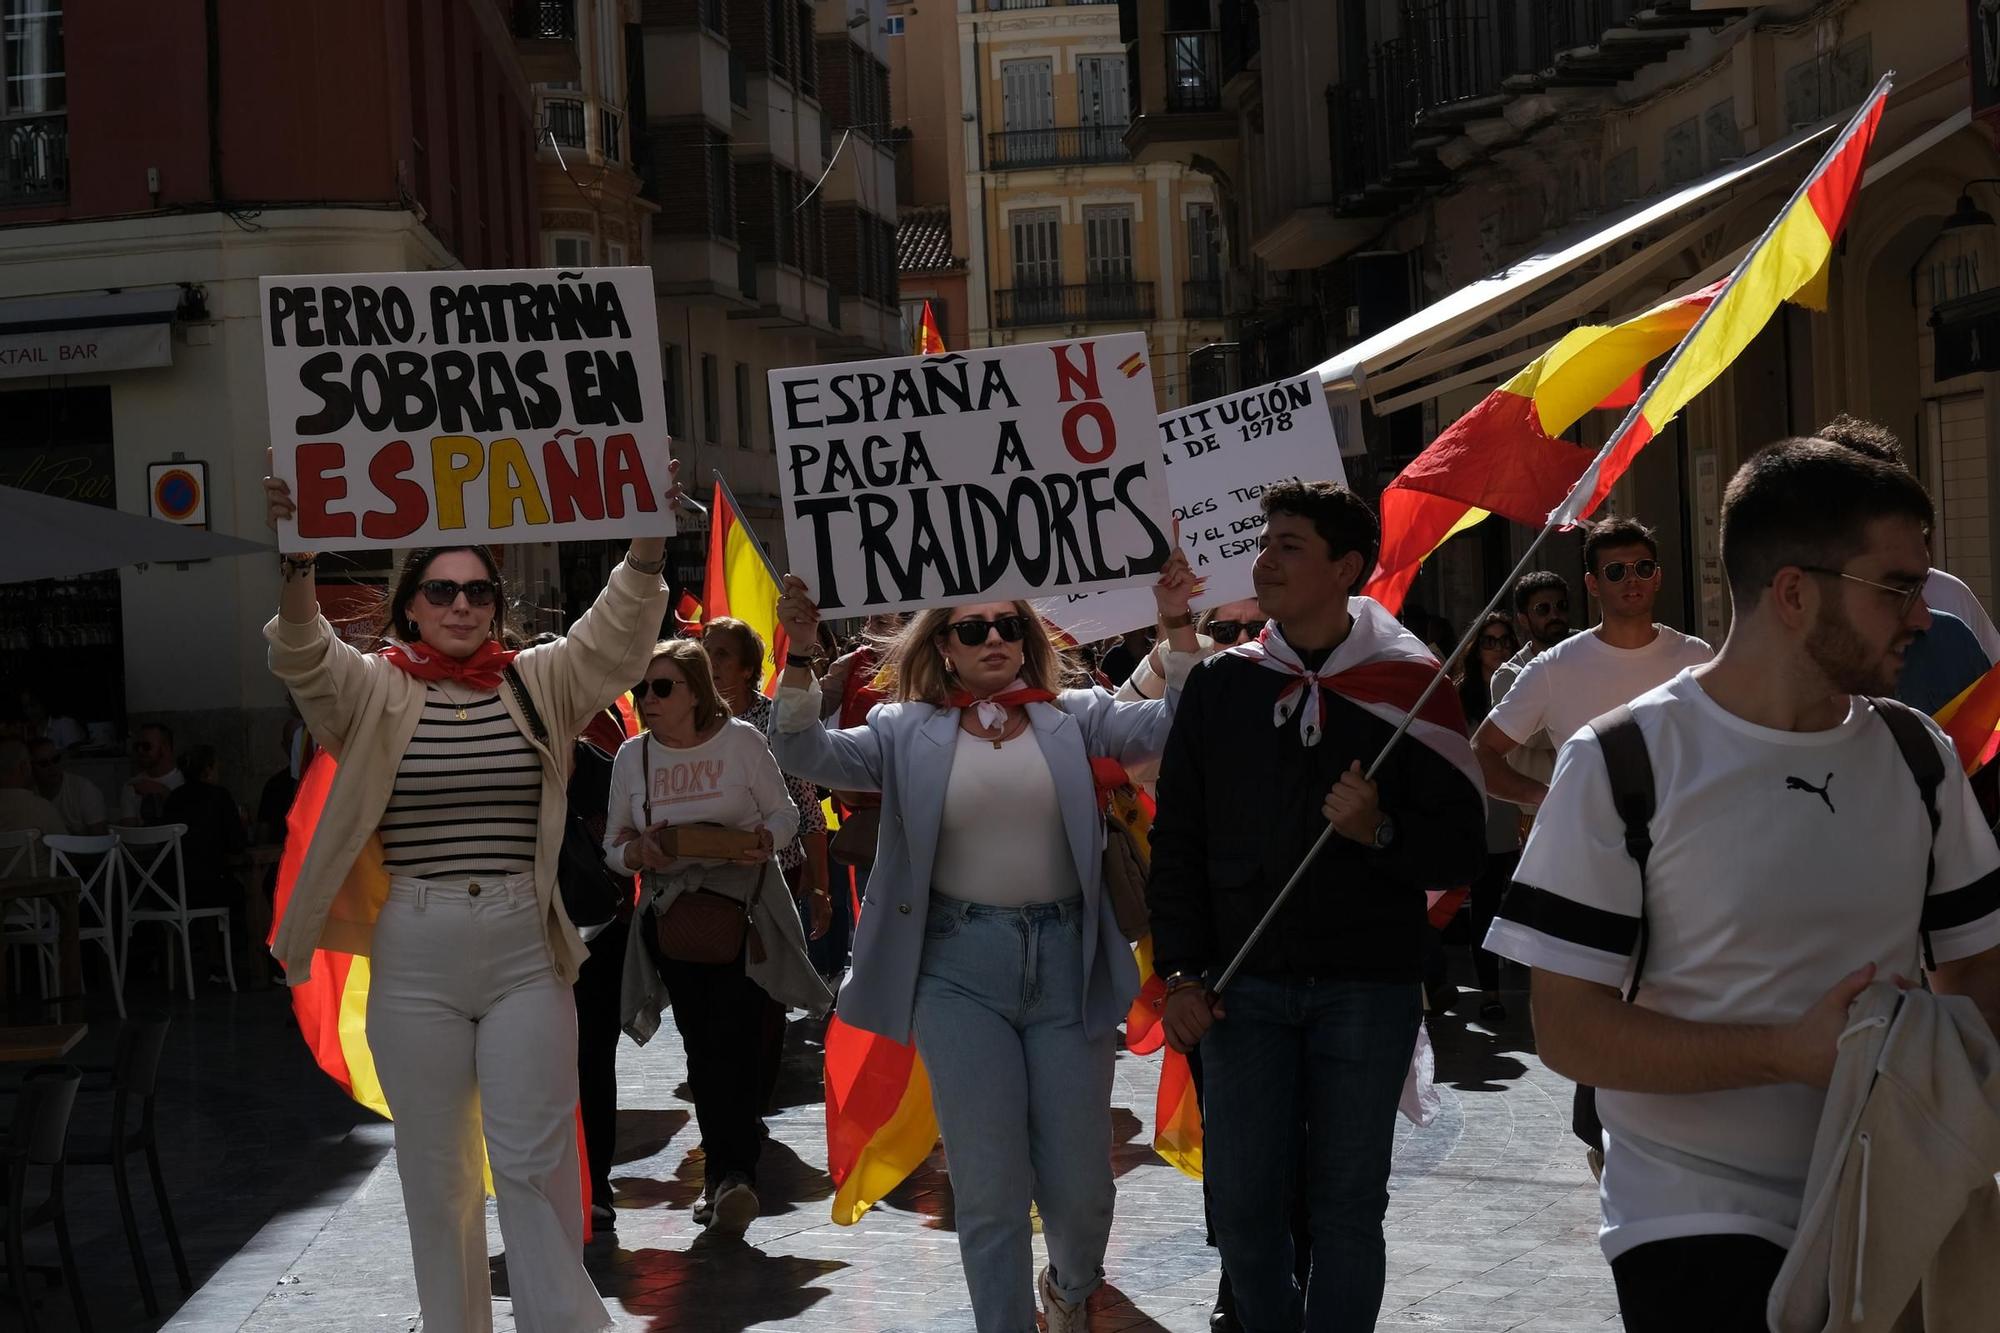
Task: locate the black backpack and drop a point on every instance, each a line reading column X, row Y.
column 1631, row 771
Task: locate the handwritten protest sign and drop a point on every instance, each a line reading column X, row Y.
column 517, row 405
column 1220, row 456
column 975, row 476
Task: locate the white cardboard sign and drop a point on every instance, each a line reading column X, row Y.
column 982, row 475
column 515, row 405
column 1220, row 455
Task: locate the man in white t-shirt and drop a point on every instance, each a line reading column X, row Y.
column 1541, row 605
column 1591, row 673
column 79, row 800
column 1788, row 864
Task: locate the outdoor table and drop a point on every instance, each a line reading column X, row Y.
column 63, row 893
column 46, row 1041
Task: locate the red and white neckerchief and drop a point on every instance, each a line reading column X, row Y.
column 992, row 710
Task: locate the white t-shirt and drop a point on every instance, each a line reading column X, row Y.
column 131, row 805
column 1781, row 862
column 1002, row 841
column 1943, row 592
column 729, row 779
column 1583, row 677
column 81, row 802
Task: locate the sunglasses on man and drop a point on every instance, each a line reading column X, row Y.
column 972, row 633
column 443, row 592
column 1229, row 631
column 1642, row 570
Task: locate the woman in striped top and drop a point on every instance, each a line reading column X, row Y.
column 453, row 756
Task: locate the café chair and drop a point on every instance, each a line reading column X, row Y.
column 68, row 857
column 156, row 890
column 35, row 1144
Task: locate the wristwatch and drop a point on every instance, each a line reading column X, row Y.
column 1385, row 834
column 1182, row 980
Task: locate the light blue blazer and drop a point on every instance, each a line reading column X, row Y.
column 905, row 751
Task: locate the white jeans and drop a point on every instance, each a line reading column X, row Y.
column 471, row 1029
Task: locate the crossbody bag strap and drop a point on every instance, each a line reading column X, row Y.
column 527, row 703
column 1633, row 796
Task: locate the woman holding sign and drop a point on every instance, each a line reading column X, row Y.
column 986, row 928
column 435, row 855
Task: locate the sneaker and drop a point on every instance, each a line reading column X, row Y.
column 735, row 1206
column 704, row 1207
column 1061, row 1315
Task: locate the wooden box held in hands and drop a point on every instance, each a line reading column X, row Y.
column 707, row 842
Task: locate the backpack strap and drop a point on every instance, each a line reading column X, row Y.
column 1926, row 765
column 1632, row 796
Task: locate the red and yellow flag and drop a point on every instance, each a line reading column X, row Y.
column 929, row 341
column 740, row 581
column 1506, row 456
column 879, row 1121
column 1972, row 720
column 1789, row 262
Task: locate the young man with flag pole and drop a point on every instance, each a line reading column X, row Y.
column 1310, row 1058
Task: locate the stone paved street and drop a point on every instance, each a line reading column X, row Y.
column 1491, row 1224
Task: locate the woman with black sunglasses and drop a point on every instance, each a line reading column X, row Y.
column 696, row 765
column 986, row 929
column 435, row 856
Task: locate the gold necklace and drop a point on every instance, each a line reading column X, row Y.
column 458, row 703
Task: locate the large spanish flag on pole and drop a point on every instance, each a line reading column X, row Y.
column 1506, row 456
column 1789, row 262
column 741, row 581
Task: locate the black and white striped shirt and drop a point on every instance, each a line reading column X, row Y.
column 468, row 796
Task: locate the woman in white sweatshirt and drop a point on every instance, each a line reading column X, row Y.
column 694, row 764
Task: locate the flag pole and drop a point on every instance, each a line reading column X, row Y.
column 1558, row 516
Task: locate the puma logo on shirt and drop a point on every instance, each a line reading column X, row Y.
column 1800, row 784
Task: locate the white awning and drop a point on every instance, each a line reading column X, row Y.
column 1372, row 366
column 76, row 335
column 51, row 538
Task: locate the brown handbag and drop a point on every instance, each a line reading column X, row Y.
column 700, row 925
column 704, row 927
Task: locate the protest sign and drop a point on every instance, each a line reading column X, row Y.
column 1220, row 455
column 974, row 476
column 519, row 405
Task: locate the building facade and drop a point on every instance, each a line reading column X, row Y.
column 1420, row 197
column 1016, row 126
column 764, row 148
column 160, row 164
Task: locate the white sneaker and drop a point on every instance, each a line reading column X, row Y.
column 1061, row 1315
column 735, row 1206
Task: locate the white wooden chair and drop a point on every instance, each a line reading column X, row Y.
column 156, row 890
column 21, row 922
column 93, row 863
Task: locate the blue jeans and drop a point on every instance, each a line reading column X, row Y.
column 1332, row 1056
column 1023, row 1099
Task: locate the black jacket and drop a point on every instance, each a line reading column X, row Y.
column 1239, row 806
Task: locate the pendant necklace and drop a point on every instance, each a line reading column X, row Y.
column 459, row 704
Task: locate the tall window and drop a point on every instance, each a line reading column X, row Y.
column 1102, row 97
column 674, row 390
column 569, row 251
column 1027, row 95
column 1203, row 293
column 743, row 417
column 711, row 399
column 1037, row 264
column 1107, row 245
column 721, row 188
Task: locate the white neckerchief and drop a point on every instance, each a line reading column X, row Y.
column 993, row 716
column 1270, row 650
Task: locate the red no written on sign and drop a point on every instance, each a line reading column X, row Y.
column 496, row 406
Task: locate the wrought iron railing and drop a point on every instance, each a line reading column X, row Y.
column 545, row 20
column 1201, row 298
column 1122, row 302
column 1053, row 147
column 34, row 159
column 565, row 121
column 1194, row 72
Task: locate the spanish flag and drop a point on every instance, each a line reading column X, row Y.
column 1789, row 262
column 1972, row 720
column 929, row 341
column 1506, row 456
column 879, row 1121
column 741, row 581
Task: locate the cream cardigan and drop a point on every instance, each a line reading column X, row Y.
column 364, row 710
